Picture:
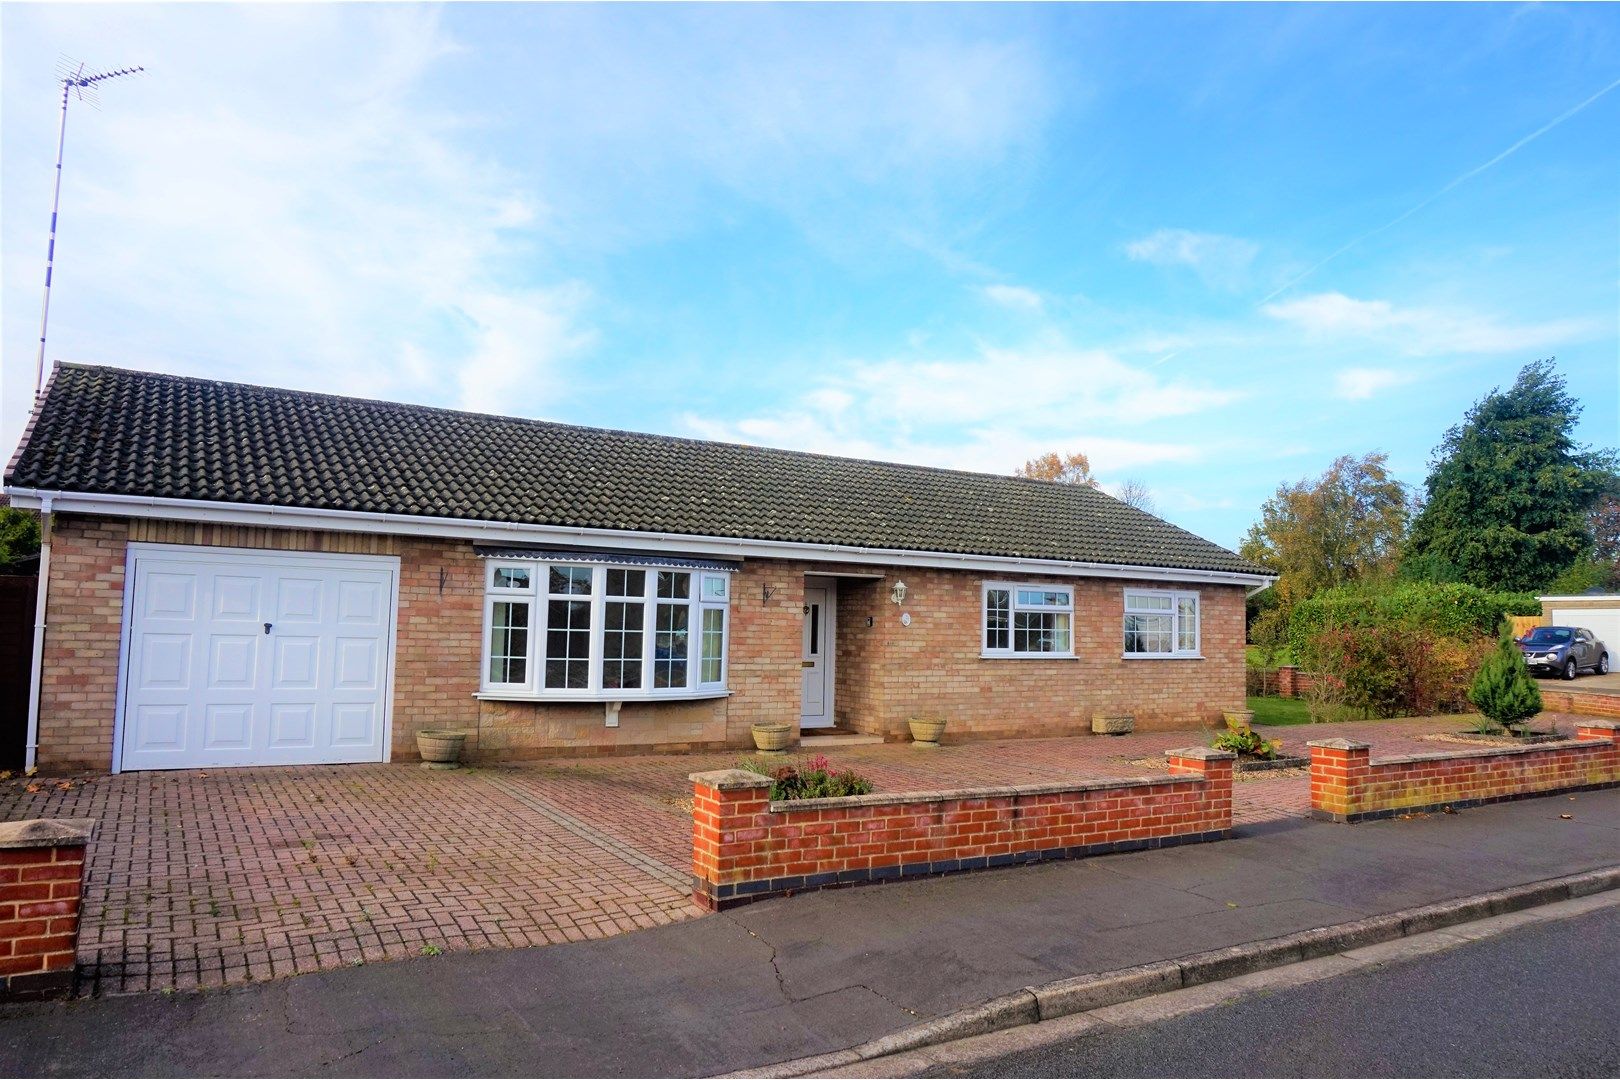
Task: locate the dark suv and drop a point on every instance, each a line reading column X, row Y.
column 1564, row 650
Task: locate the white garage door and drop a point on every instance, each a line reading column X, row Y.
column 256, row 658
column 1605, row 624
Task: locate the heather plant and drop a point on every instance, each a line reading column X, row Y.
column 810, row 777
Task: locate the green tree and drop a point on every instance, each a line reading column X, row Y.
column 1509, row 490
column 1503, row 690
column 19, row 539
column 1343, row 527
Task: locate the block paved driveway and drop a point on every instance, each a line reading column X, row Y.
column 206, row 878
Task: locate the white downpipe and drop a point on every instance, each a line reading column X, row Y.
column 37, row 666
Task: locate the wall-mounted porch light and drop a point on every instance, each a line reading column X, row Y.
column 898, row 593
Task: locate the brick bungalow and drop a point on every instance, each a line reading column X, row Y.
column 238, row 575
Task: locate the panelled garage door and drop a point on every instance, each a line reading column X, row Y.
column 255, row 658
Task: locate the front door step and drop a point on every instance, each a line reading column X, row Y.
column 819, row 737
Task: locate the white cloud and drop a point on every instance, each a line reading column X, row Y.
column 1361, row 383
column 1013, row 296
column 270, row 203
column 1221, row 261
column 988, row 413
column 1421, row 331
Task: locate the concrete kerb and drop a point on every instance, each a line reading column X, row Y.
column 1085, row 993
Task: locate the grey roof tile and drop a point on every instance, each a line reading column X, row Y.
column 108, row 430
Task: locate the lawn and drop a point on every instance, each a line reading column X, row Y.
column 1277, row 710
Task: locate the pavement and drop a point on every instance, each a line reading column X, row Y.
column 1536, row 1000
column 219, row 877
column 817, row 973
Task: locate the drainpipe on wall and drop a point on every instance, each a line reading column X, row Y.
column 37, row 666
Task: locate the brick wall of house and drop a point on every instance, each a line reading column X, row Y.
column 884, row 674
column 933, row 666
column 745, row 847
column 1347, row 785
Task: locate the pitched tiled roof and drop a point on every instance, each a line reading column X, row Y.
column 112, row 431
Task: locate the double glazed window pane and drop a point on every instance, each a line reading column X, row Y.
column 1187, row 625
column 1148, row 633
column 509, row 642
column 714, row 637
column 997, row 619
column 568, row 644
column 1040, row 631
column 670, row 645
column 621, row 645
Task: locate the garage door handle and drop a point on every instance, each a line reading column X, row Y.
column 267, row 628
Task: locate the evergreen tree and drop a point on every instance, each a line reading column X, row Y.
column 1510, row 491
column 1503, row 689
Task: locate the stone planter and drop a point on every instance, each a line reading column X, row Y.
column 1103, row 724
column 925, row 733
column 772, row 738
column 1237, row 719
column 440, row 748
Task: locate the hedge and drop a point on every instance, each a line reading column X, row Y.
column 1454, row 611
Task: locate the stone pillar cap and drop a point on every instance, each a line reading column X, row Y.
column 1598, row 722
column 1206, row 753
column 46, row 832
column 1340, row 744
column 731, row 779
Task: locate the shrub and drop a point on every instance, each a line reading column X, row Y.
column 1389, row 670
column 1241, row 739
column 809, row 778
column 1503, row 690
column 1459, row 612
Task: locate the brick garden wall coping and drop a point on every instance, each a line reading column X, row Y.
column 1347, row 784
column 906, row 798
column 746, row 847
column 46, row 832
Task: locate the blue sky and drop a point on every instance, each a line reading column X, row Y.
column 951, row 235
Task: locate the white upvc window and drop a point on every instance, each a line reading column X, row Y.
column 603, row 631
column 1027, row 620
column 1161, row 624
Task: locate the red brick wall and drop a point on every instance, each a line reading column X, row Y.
column 744, row 847
column 39, row 917
column 884, row 673
column 1347, row 785
column 1581, row 704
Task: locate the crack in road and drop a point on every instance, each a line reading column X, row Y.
column 781, row 980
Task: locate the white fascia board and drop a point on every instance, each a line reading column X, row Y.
column 1603, row 599
column 620, row 539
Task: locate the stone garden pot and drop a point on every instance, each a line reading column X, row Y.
column 440, row 748
column 1238, row 718
column 772, row 738
column 925, row 733
column 1104, row 724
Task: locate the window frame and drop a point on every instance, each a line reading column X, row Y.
column 537, row 596
column 986, row 652
column 1176, row 596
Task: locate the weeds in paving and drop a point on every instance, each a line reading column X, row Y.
column 432, row 950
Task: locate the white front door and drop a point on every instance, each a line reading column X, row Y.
column 816, row 705
column 256, row 658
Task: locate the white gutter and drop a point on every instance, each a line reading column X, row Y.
column 36, row 667
column 514, row 532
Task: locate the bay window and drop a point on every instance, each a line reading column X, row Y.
column 584, row 630
column 1161, row 623
column 1028, row 620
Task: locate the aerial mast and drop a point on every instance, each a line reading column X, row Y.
column 75, row 80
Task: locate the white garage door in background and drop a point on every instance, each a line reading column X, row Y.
column 1604, row 623
column 255, row 658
